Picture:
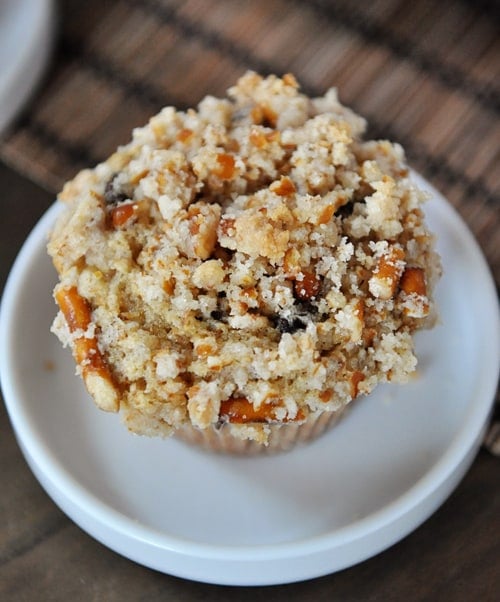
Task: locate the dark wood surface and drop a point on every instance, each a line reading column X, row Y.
column 424, row 73
column 455, row 555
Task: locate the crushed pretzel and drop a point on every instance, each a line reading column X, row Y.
column 95, row 371
column 414, row 288
column 240, row 410
column 121, row 215
column 388, row 271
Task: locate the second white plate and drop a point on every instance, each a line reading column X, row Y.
column 27, row 31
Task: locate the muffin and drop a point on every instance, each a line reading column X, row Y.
column 238, row 273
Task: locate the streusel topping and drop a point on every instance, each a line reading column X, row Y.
column 250, row 262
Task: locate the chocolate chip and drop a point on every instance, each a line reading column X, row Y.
column 287, row 325
column 305, row 307
column 112, row 193
column 216, row 314
column 346, row 210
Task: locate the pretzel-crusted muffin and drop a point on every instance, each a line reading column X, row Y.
column 240, row 272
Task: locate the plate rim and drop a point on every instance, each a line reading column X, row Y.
column 457, row 456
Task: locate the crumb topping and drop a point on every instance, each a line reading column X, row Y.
column 249, row 262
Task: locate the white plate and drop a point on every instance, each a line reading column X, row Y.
column 26, row 39
column 381, row 472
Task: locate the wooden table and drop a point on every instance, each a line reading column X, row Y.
column 423, row 72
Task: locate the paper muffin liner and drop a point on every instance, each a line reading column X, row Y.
column 282, row 437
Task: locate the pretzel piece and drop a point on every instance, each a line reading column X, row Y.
column 95, row 372
column 239, row 410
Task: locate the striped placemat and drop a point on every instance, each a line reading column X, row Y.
column 424, row 73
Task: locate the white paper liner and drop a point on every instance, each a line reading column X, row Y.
column 282, row 437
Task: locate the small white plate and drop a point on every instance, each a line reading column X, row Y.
column 246, row 521
column 27, row 30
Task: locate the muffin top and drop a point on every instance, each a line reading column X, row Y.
column 250, row 262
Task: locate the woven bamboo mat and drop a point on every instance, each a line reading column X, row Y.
column 424, row 73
